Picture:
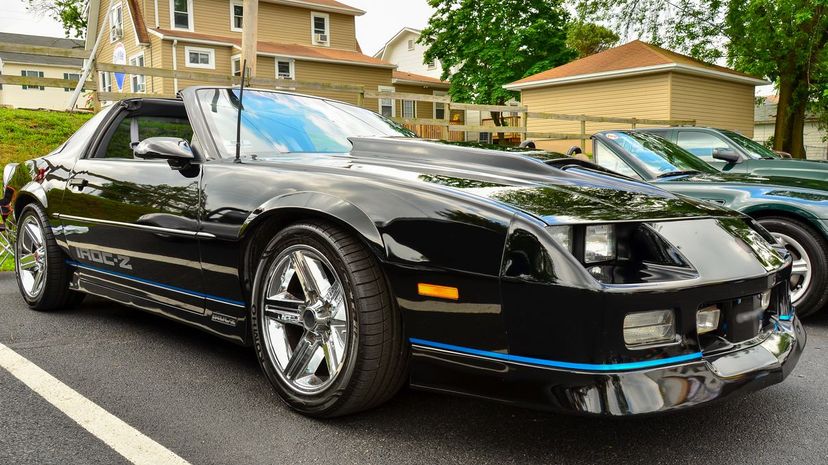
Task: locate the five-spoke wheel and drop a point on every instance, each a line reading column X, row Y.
column 31, row 257
column 325, row 327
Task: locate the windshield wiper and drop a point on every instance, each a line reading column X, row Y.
column 678, row 173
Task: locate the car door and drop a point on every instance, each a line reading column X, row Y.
column 702, row 144
column 131, row 224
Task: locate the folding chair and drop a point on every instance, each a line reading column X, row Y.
column 6, row 248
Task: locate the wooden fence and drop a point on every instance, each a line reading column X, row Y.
column 427, row 128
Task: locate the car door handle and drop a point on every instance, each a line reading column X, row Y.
column 80, row 183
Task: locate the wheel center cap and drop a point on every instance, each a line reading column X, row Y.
column 309, row 319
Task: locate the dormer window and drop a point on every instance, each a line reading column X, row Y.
column 116, row 23
column 181, row 14
column 320, row 29
column 236, row 15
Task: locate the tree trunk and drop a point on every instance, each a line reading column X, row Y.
column 790, row 114
column 499, row 120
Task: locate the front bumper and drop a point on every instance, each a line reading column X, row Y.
column 749, row 366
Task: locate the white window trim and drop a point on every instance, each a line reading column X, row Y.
column 131, row 82
column 190, row 17
column 414, row 109
column 327, row 17
column 393, row 102
column 209, row 51
column 233, row 60
column 438, row 93
column 105, row 81
column 234, row 3
column 116, row 6
column 292, row 62
column 411, row 45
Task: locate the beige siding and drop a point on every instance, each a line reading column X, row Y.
column 633, row 97
column 713, row 102
column 222, row 67
column 424, row 109
column 369, row 77
column 53, row 98
column 104, row 54
column 277, row 23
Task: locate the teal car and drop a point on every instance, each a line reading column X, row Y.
column 794, row 210
column 732, row 152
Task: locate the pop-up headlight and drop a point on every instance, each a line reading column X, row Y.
column 648, row 328
column 599, row 243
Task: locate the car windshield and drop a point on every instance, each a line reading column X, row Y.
column 275, row 123
column 660, row 157
column 754, row 149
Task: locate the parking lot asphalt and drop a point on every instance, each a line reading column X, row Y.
column 206, row 400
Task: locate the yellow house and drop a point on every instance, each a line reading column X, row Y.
column 306, row 40
column 638, row 80
column 24, row 64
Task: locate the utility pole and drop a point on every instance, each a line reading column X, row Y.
column 250, row 20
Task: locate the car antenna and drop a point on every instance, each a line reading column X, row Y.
column 238, row 121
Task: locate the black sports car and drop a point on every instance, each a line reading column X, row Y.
column 355, row 258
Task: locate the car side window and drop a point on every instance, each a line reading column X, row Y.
column 606, row 158
column 700, row 144
column 134, row 129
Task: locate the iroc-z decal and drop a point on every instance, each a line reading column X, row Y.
column 104, row 258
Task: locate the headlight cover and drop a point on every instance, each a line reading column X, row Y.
column 562, row 235
column 599, row 243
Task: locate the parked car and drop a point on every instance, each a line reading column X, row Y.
column 732, row 152
column 354, row 258
column 794, row 210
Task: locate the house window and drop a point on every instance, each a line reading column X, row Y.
column 181, row 14
column 320, row 28
column 138, row 81
column 386, row 105
column 116, row 23
column 409, row 109
column 485, row 138
column 235, row 65
column 410, row 44
column 432, row 64
column 35, row 74
column 439, row 108
column 236, row 21
column 73, row 77
column 200, row 57
column 106, row 82
column 284, row 68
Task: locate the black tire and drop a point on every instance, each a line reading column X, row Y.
column 55, row 293
column 815, row 246
column 375, row 361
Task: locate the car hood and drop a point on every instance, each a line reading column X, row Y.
column 752, row 181
column 519, row 181
column 812, row 169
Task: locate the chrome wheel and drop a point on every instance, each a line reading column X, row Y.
column 305, row 319
column 31, row 257
column 801, row 272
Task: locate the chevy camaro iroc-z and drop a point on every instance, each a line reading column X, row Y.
column 355, row 258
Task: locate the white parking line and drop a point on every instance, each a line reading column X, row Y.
column 122, row 438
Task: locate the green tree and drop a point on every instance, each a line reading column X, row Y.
column 68, row 12
column 783, row 40
column 589, row 38
column 484, row 44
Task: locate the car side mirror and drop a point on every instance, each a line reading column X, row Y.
column 175, row 150
column 725, row 154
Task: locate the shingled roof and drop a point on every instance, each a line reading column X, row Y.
column 41, row 41
column 635, row 57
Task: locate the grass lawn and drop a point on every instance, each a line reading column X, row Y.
column 26, row 134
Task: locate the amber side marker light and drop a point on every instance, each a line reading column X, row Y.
column 433, row 290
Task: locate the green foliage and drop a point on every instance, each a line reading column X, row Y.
column 489, row 43
column 783, row 40
column 68, row 12
column 589, row 38
column 26, row 134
